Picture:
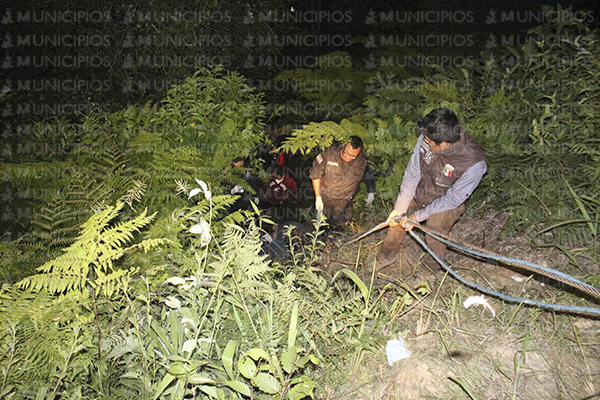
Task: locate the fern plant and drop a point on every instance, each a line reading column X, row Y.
column 88, row 265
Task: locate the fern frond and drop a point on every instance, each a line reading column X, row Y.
column 134, row 194
column 89, row 261
column 149, row 244
column 243, row 250
column 321, row 135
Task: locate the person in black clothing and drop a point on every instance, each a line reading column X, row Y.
column 245, row 197
column 286, row 237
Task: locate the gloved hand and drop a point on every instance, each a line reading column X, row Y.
column 391, row 219
column 370, row 198
column 319, row 203
column 237, row 189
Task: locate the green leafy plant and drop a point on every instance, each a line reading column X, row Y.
column 274, row 375
column 88, row 265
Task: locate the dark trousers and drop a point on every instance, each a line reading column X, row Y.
column 338, row 212
column 441, row 222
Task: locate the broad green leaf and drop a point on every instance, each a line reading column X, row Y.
column 288, row 358
column 275, row 363
column 199, row 379
column 293, row 332
column 161, row 339
column 189, row 345
column 267, row 383
column 177, row 369
column 188, row 322
column 212, row 391
column 41, row 394
column 227, row 357
column 301, row 388
column 247, row 367
column 193, row 364
column 163, row 385
column 257, row 353
column 176, row 332
column 240, row 387
column 357, row 281
column 304, row 360
column 177, row 358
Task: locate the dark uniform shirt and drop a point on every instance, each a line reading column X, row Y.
column 339, row 178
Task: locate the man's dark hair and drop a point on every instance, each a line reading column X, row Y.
column 279, row 170
column 238, row 159
column 440, row 125
column 355, row 142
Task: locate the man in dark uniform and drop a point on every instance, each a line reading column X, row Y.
column 445, row 168
column 336, row 174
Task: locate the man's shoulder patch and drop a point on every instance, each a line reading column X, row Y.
column 319, row 158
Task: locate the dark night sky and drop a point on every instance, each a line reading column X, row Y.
column 444, row 31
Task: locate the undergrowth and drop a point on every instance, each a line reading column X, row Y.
column 127, row 284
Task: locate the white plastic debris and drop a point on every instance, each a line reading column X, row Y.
column 479, row 300
column 396, row 350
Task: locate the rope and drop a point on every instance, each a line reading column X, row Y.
column 539, row 269
column 542, row 304
column 471, row 249
column 358, row 236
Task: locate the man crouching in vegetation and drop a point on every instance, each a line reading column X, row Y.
column 336, row 174
column 445, row 168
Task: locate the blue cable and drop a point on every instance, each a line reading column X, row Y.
column 551, row 306
column 514, row 260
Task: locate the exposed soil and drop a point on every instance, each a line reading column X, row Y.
column 522, row 352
